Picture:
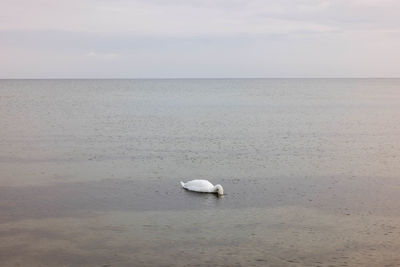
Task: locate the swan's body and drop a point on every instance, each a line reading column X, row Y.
column 203, row 186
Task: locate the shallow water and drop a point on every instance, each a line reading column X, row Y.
column 90, row 172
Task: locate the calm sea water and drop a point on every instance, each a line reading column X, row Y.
column 90, row 172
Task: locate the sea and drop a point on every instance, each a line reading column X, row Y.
column 90, row 172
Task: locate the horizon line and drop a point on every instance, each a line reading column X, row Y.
column 198, row 78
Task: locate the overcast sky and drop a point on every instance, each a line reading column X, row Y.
column 199, row 38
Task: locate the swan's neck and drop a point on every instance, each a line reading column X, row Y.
column 218, row 189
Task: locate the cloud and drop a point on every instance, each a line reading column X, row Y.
column 157, row 18
column 97, row 55
column 192, row 38
column 194, row 18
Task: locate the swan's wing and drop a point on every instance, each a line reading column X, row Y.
column 199, row 186
column 199, row 183
column 199, row 189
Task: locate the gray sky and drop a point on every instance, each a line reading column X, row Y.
column 199, row 38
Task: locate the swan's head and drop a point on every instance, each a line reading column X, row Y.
column 218, row 188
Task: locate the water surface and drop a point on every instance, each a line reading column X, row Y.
column 90, row 171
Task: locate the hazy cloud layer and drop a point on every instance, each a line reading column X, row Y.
column 193, row 38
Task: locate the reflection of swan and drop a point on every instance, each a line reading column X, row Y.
column 203, row 186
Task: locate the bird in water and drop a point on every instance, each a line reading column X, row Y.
column 203, row 186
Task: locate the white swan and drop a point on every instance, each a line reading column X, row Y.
column 203, row 186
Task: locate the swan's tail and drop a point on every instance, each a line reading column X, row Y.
column 183, row 184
